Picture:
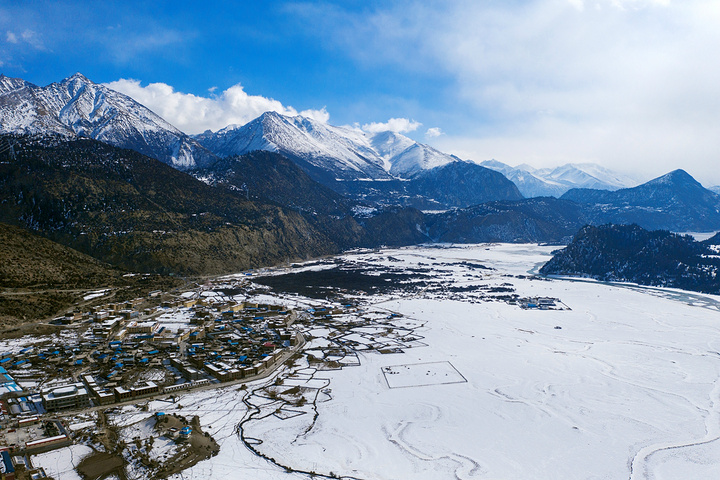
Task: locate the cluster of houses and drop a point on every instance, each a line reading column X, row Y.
column 194, row 340
column 542, row 303
column 120, row 352
column 14, row 467
column 31, row 436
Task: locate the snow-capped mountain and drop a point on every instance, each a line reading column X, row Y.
column 556, row 181
column 528, row 184
column 79, row 107
column 347, row 153
column 586, row 175
column 384, row 168
column 406, row 158
column 323, row 150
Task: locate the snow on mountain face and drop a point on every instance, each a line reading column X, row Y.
column 527, row 182
column 346, row 152
column 8, row 84
column 404, row 157
column 589, row 175
column 417, row 158
column 21, row 112
column 555, row 182
column 388, row 145
column 77, row 106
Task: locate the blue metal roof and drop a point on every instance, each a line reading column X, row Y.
column 8, row 462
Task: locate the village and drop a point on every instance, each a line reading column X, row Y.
column 109, row 358
column 121, row 352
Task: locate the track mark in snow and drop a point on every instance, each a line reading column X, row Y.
column 639, row 463
column 467, row 467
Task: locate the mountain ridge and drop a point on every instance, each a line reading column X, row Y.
column 673, row 201
column 382, row 168
column 78, row 107
column 554, row 182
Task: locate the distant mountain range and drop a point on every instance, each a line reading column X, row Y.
column 554, row 182
column 383, row 168
column 328, row 153
column 281, row 187
column 674, row 201
column 348, row 160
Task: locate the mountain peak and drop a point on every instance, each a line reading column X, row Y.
column 276, row 117
column 78, row 106
column 273, row 114
column 78, row 76
column 8, row 84
column 675, row 177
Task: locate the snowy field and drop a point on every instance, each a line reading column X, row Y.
column 626, row 387
column 61, row 464
column 623, row 385
column 421, row 375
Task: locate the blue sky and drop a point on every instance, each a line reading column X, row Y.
column 629, row 84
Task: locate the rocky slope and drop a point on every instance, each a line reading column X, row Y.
column 31, row 261
column 271, row 177
column 545, row 219
column 139, row 214
column 462, row 184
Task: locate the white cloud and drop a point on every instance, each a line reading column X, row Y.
column 127, row 45
column 397, row 125
column 620, row 4
column 321, row 115
column 32, row 38
column 26, row 36
column 434, row 132
column 195, row 114
column 629, row 83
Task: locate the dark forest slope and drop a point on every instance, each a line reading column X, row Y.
column 628, row 253
column 139, row 214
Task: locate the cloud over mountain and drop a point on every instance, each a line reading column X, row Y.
column 624, row 83
column 195, row 114
column 397, row 125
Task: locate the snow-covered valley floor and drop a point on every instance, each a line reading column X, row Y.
column 627, row 387
column 622, row 385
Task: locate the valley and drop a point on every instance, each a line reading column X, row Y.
column 452, row 361
column 359, row 240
